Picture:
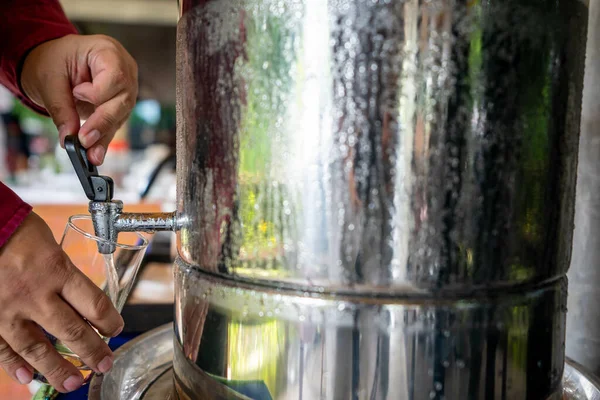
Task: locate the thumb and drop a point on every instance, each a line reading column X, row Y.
column 58, row 100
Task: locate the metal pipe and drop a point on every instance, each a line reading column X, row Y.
column 147, row 222
column 109, row 219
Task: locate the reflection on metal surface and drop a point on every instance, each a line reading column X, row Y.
column 379, row 145
column 578, row 384
column 400, row 173
column 138, row 364
column 157, row 346
column 316, row 346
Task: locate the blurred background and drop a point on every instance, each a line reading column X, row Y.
column 141, row 158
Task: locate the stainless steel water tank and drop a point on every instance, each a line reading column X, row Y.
column 379, row 197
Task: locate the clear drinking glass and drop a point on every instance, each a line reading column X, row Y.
column 113, row 273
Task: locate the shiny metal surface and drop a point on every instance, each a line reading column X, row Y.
column 583, row 319
column 147, row 222
column 579, row 384
column 379, row 196
column 157, row 346
column 109, row 220
column 302, row 345
column 138, row 364
column 379, row 146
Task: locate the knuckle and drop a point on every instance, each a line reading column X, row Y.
column 7, row 355
column 36, row 352
column 127, row 102
column 54, row 108
column 74, row 332
column 107, row 41
column 101, row 306
column 109, row 121
column 58, row 265
column 57, row 374
column 93, row 354
column 119, row 77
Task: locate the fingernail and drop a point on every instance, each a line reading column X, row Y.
column 99, row 153
column 105, row 365
column 73, row 382
column 91, row 138
column 24, row 375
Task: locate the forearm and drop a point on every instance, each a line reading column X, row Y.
column 25, row 24
column 13, row 211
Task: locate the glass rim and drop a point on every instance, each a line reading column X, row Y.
column 71, row 224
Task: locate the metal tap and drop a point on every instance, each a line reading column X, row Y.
column 107, row 214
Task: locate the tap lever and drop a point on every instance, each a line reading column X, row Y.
column 96, row 187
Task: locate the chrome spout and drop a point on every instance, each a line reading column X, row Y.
column 148, row 222
column 109, row 220
column 107, row 214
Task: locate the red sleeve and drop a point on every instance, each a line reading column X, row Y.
column 24, row 24
column 13, row 211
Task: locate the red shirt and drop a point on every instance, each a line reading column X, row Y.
column 24, row 24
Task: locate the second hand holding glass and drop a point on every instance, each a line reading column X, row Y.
column 113, row 273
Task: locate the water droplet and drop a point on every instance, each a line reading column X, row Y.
column 432, row 394
column 302, row 318
column 438, row 386
column 445, row 363
column 351, row 227
column 460, row 363
column 341, row 307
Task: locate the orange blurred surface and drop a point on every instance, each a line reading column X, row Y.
column 56, row 217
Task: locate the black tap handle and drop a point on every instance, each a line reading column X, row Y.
column 96, row 187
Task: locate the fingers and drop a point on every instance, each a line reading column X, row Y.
column 14, row 365
column 108, row 78
column 27, row 340
column 60, row 320
column 92, row 304
column 101, row 126
column 59, row 103
column 113, row 91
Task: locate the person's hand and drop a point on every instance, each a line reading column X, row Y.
column 90, row 78
column 39, row 286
